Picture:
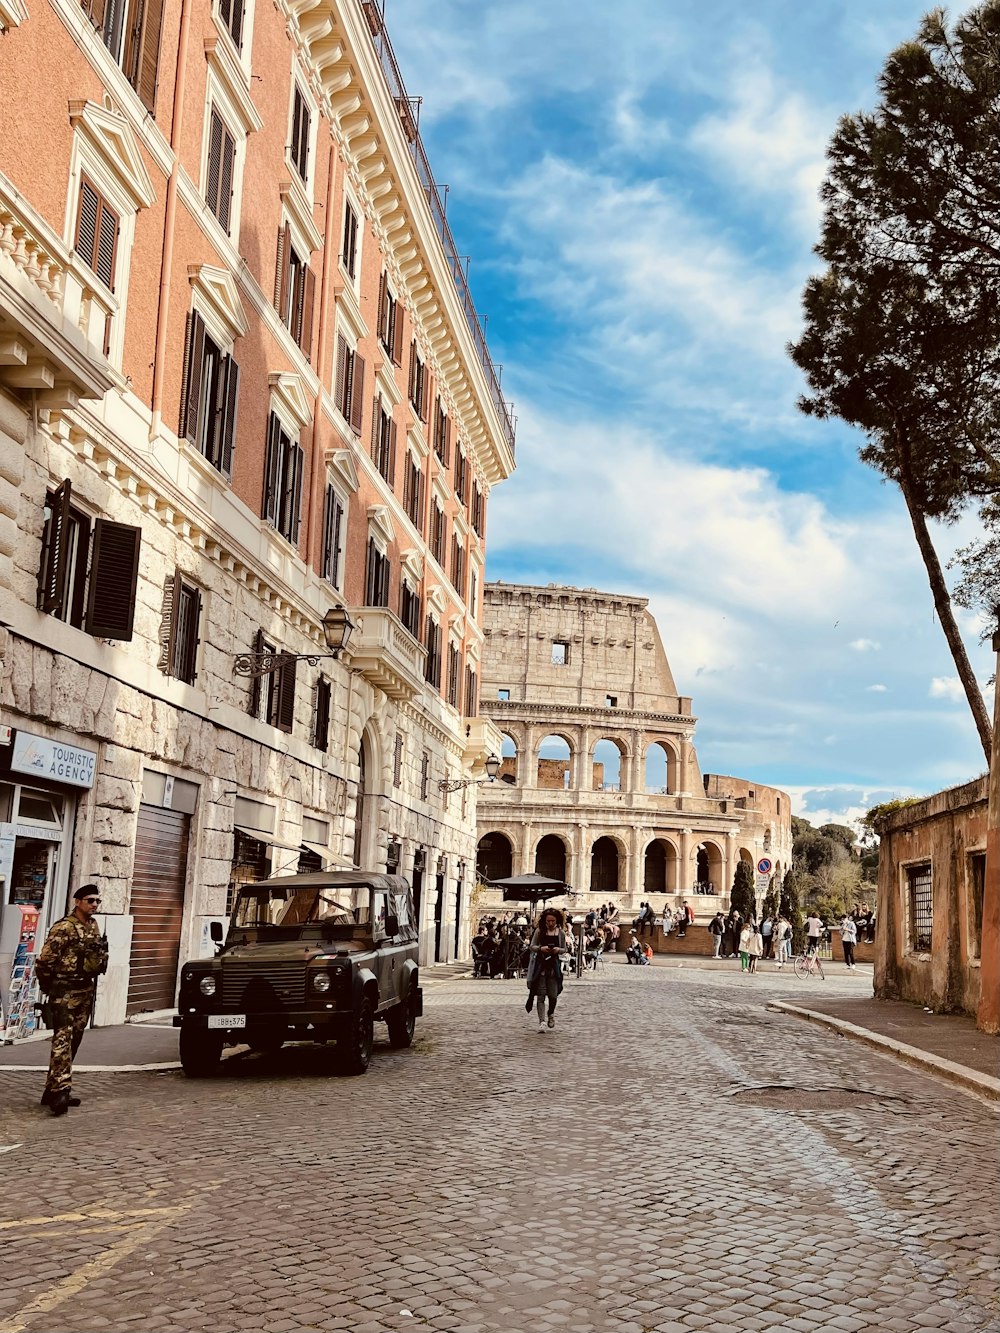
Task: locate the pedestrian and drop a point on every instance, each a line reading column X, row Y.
column 717, row 929
column 72, row 958
column 545, row 980
column 735, row 923
column 814, row 932
column 754, row 949
column 767, row 933
column 849, row 938
column 782, row 941
column 746, row 934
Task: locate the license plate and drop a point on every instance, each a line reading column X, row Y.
column 227, row 1020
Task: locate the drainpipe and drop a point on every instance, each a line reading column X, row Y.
column 313, row 523
column 169, row 219
column 988, row 1012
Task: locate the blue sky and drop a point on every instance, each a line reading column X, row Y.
column 637, row 186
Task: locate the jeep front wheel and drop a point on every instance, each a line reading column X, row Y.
column 354, row 1048
column 401, row 1021
column 200, row 1052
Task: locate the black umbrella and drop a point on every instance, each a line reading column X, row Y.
column 530, row 888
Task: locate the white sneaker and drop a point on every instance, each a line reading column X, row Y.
column 541, row 1028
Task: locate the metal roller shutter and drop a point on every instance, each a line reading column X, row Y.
column 157, row 907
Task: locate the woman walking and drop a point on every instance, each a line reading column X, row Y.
column 849, row 938
column 545, row 970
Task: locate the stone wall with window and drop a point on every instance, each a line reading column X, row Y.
column 932, row 876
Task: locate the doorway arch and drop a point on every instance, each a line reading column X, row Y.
column 550, row 857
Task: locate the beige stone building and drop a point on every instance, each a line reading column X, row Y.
column 242, row 386
column 600, row 783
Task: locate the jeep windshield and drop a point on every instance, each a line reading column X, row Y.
column 276, row 907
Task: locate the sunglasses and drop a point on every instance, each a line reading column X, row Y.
column 95, row 901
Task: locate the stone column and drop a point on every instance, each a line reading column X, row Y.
column 583, row 779
column 526, row 858
column 686, row 868
column 732, row 855
column 582, row 881
column 13, row 434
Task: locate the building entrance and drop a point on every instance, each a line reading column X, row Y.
column 157, row 907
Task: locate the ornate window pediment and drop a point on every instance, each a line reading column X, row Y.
column 12, row 14
column 110, row 136
column 342, row 463
column 437, row 599
column 413, row 563
column 381, row 520
column 218, row 288
column 287, row 388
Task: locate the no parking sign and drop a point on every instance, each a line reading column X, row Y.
column 763, row 874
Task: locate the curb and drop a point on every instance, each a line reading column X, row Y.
column 970, row 1079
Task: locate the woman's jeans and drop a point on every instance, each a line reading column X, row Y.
column 546, row 988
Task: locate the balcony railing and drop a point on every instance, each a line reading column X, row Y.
column 404, row 105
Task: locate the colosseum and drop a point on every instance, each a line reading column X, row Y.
column 600, row 784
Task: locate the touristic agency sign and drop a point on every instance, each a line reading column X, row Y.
column 43, row 758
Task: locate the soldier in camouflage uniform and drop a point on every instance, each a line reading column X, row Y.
column 72, row 958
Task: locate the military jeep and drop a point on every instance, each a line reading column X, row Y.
column 317, row 957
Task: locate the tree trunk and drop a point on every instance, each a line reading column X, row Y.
column 942, row 605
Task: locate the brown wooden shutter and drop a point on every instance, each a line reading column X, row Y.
column 391, row 479
column 114, row 573
column 340, row 376
column 53, row 570
column 230, row 381
column 236, row 26
column 194, row 355
column 107, row 246
column 226, row 178
column 149, row 54
column 256, row 683
column 86, row 222
column 171, row 606
column 281, row 270
column 296, row 467
column 308, row 305
column 397, row 336
column 376, row 427
column 95, row 11
column 357, row 393
column 214, row 161
column 425, row 395
column 272, row 470
column 411, row 390
column 383, row 321
column 285, row 719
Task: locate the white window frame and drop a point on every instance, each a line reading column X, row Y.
column 300, row 82
column 243, row 52
column 342, row 494
column 217, row 97
column 349, row 197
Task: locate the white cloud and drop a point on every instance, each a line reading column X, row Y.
column 947, row 687
column 865, row 645
column 877, row 689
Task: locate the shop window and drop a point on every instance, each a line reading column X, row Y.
column 322, row 697
column 976, row 882
column 89, row 569
column 921, row 908
column 180, row 628
column 294, row 291
column 251, row 862
column 310, row 862
column 209, row 398
column 283, row 481
column 560, row 653
column 130, row 29
column 35, row 807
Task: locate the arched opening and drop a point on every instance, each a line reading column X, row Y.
column 710, row 869
column 508, row 757
column 660, row 774
column 604, row 866
column 550, row 857
column 746, row 855
column 494, row 856
column 361, row 801
column 607, row 767
column 555, row 764
column 660, row 867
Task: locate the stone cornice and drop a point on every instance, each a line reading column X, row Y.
column 625, row 719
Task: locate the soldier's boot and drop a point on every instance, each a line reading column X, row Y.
column 48, row 1099
column 59, row 1103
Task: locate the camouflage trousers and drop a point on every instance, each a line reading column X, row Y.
column 70, row 1015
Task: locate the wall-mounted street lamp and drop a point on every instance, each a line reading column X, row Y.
column 337, row 629
column 492, row 766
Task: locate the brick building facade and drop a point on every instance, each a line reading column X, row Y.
column 600, row 782
column 242, row 382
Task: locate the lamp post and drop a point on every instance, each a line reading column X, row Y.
column 492, row 766
column 337, row 630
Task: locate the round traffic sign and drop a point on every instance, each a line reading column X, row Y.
column 764, row 866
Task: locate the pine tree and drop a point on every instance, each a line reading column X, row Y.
column 744, row 897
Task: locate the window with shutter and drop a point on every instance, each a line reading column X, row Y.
column 471, row 693
column 349, row 249
column 333, row 523
column 283, row 471
column 284, row 711
column 220, row 174
column 231, row 13
column 454, row 674
column 182, row 617
column 357, row 392
column 54, row 567
column 461, row 474
column 432, row 669
column 425, row 775
column 130, row 29
column 397, row 761
column 114, row 573
column 97, row 226
column 321, row 714
column 209, row 397
column 299, row 149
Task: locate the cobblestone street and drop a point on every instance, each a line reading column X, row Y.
column 674, row 1156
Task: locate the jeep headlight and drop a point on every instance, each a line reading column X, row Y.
column 321, row 982
column 207, row 985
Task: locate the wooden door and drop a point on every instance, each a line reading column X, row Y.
column 157, row 907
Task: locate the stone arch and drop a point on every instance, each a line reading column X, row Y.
column 660, row 867
column 367, row 789
column 509, row 750
column 608, row 764
column 711, row 869
column 550, row 857
column 554, row 762
column 747, row 855
column 660, row 767
column 605, row 866
column 494, row 856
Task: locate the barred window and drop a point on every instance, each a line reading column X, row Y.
column 921, row 904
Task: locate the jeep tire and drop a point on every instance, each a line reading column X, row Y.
column 201, row 1051
column 354, row 1048
column 401, row 1020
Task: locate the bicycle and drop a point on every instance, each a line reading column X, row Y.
column 808, row 965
